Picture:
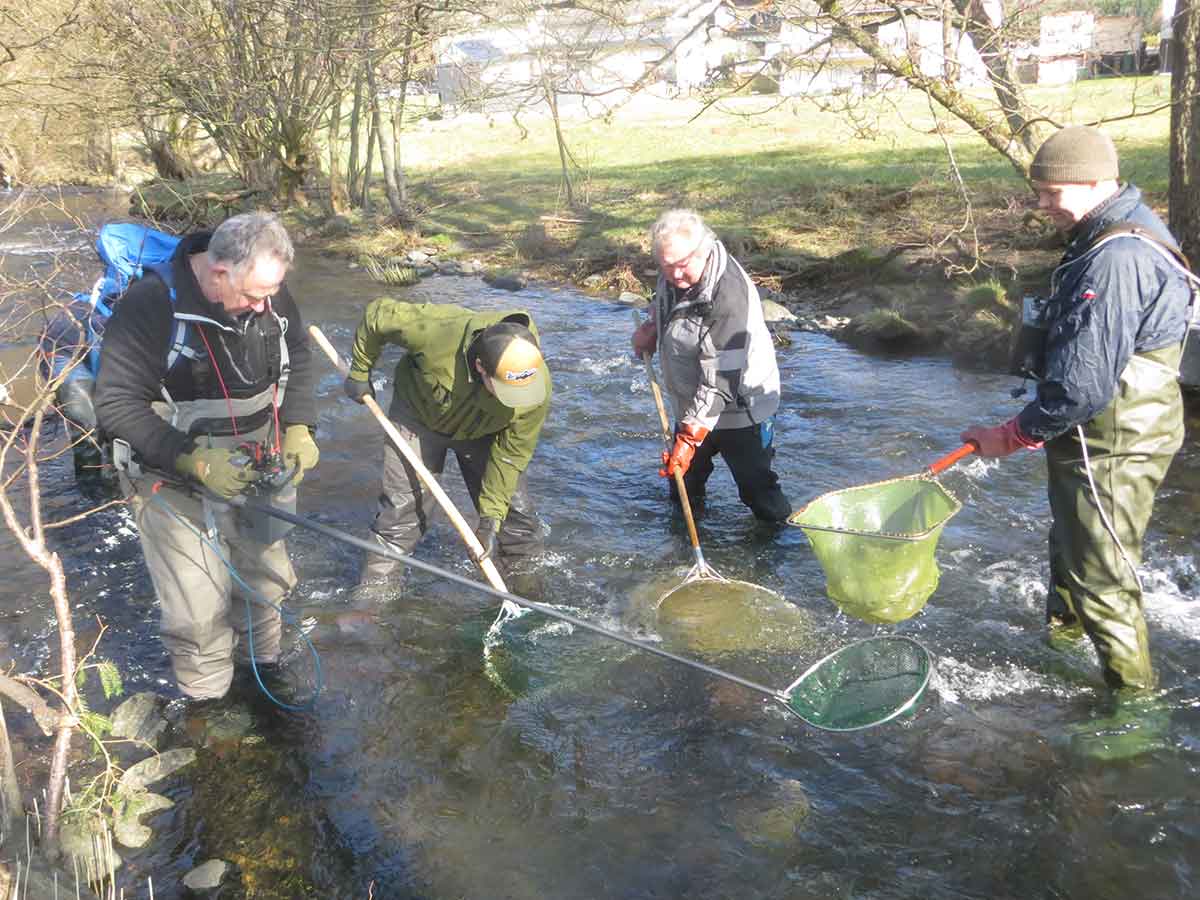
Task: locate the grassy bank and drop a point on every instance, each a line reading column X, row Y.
column 838, row 213
column 794, row 178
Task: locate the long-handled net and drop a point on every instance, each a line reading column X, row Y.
column 877, row 542
column 864, row 684
column 701, row 577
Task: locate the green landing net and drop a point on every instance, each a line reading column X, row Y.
column 876, row 544
column 862, row 684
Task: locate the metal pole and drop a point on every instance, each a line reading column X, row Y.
column 550, row 611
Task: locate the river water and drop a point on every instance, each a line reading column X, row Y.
column 577, row 767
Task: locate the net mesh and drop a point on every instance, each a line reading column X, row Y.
column 876, row 544
column 863, row 684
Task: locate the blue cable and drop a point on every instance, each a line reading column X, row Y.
column 284, row 615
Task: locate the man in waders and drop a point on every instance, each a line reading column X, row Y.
column 718, row 363
column 1108, row 408
column 204, row 368
column 471, row 382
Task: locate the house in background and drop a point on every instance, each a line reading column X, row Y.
column 1079, row 44
column 710, row 40
column 677, row 49
column 583, row 52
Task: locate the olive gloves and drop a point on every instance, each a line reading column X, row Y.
column 224, row 472
column 299, row 451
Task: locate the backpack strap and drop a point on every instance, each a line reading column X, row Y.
column 1128, row 229
column 1172, row 254
column 179, row 340
column 285, row 360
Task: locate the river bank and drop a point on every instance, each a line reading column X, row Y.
column 894, row 217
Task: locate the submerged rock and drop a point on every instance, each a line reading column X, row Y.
column 138, row 719
column 140, row 775
column 127, row 826
column 206, row 876
column 87, row 838
column 776, row 822
column 505, row 281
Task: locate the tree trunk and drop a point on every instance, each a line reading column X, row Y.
column 10, row 794
column 552, row 102
column 385, row 144
column 398, row 115
column 1184, row 198
column 339, row 201
column 364, row 199
column 352, row 169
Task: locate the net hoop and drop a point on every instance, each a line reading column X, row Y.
column 733, row 583
column 797, row 518
column 909, row 700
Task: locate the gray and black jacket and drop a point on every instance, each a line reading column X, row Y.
column 717, row 356
column 248, row 365
column 1109, row 301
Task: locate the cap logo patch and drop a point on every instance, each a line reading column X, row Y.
column 520, row 376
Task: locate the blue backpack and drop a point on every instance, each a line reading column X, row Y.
column 128, row 250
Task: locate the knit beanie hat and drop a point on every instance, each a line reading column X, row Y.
column 1076, row 155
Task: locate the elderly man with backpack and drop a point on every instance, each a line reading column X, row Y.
column 1105, row 348
column 205, row 370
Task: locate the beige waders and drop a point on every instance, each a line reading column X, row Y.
column 204, row 621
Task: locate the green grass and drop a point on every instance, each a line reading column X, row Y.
column 795, row 178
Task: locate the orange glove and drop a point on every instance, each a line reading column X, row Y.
column 687, row 438
column 999, row 440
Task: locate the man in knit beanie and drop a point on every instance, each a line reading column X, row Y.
column 1108, row 409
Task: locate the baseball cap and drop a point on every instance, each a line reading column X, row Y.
column 510, row 354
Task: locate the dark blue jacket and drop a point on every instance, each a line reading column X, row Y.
column 1106, row 304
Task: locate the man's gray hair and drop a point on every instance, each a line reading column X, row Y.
column 678, row 221
column 250, row 236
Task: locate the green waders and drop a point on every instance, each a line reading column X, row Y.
column 1130, row 445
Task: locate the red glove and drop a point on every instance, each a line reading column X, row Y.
column 999, row 440
column 687, row 438
column 645, row 338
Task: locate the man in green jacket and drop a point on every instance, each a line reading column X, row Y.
column 472, row 382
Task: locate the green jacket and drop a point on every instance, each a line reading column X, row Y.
column 447, row 397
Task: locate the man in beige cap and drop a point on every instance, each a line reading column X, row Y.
column 472, row 382
column 1108, row 409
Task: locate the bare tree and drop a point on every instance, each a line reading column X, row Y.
column 258, row 75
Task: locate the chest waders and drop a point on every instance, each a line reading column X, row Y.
column 1102, row 478
column 183, row 537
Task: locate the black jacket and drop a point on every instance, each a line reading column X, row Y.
column 1106, row 304
column 133, row 362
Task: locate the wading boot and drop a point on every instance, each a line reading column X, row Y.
column 381, row 579
column 1064, row 632
column 1139, row 724
column 209, row 720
